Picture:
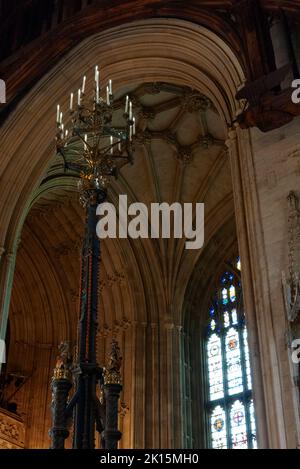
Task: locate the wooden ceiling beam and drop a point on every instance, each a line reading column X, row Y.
column 24, row 68
column 242, row 24
column 253, row 27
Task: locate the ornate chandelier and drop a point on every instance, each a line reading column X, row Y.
column 90, row 142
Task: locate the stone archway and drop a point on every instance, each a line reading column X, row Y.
column 182, row 54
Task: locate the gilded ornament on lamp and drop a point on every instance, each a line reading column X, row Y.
column 63, row 365
column 112, row 373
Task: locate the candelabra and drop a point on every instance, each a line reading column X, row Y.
column 93, row 145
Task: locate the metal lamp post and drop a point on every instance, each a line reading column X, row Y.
column 93, row 147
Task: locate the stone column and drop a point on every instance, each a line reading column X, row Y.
column 139, row 388
column 171, row 395
column 250, row 249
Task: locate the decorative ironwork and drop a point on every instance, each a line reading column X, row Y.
column 60, row 386
column 291, row 285
column 95, row 148
column 63, row 365
column 111, row 390
column 89, row 142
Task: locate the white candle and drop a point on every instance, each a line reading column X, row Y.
column 130, row 110
column 110, row 86
column 83, row 84
column 119, row 146
column 71, row 101
column 85, row 140
column 130, row 133
column 60, row 118
column 111, row 142
column 126, row 104
column 79, row 97
column 57, row 113
column 66, row 133
column 107, row 96
column 97, row 77
column 97, row 94
column 133, row 126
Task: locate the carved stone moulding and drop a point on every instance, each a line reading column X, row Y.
column 194, row 101
column 291, row 283
column 12, row 431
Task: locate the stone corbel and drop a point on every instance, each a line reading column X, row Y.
column 291, row 283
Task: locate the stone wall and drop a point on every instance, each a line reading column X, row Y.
column 265, row 169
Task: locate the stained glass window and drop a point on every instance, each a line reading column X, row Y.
column 230, row 407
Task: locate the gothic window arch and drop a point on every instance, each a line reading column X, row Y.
column 230, row 408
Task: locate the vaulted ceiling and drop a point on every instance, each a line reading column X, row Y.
column 180, row 156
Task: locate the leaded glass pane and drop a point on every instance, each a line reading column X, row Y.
column 218, row 428
column 225, row 296
column 247, row 359
column 230, row 406
column 226, row 319
column 232, row 293
column 253, row 425
column 215, row 369
column 233, row 362
column 213, row 325
column 234, row 317
column 238, row 426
